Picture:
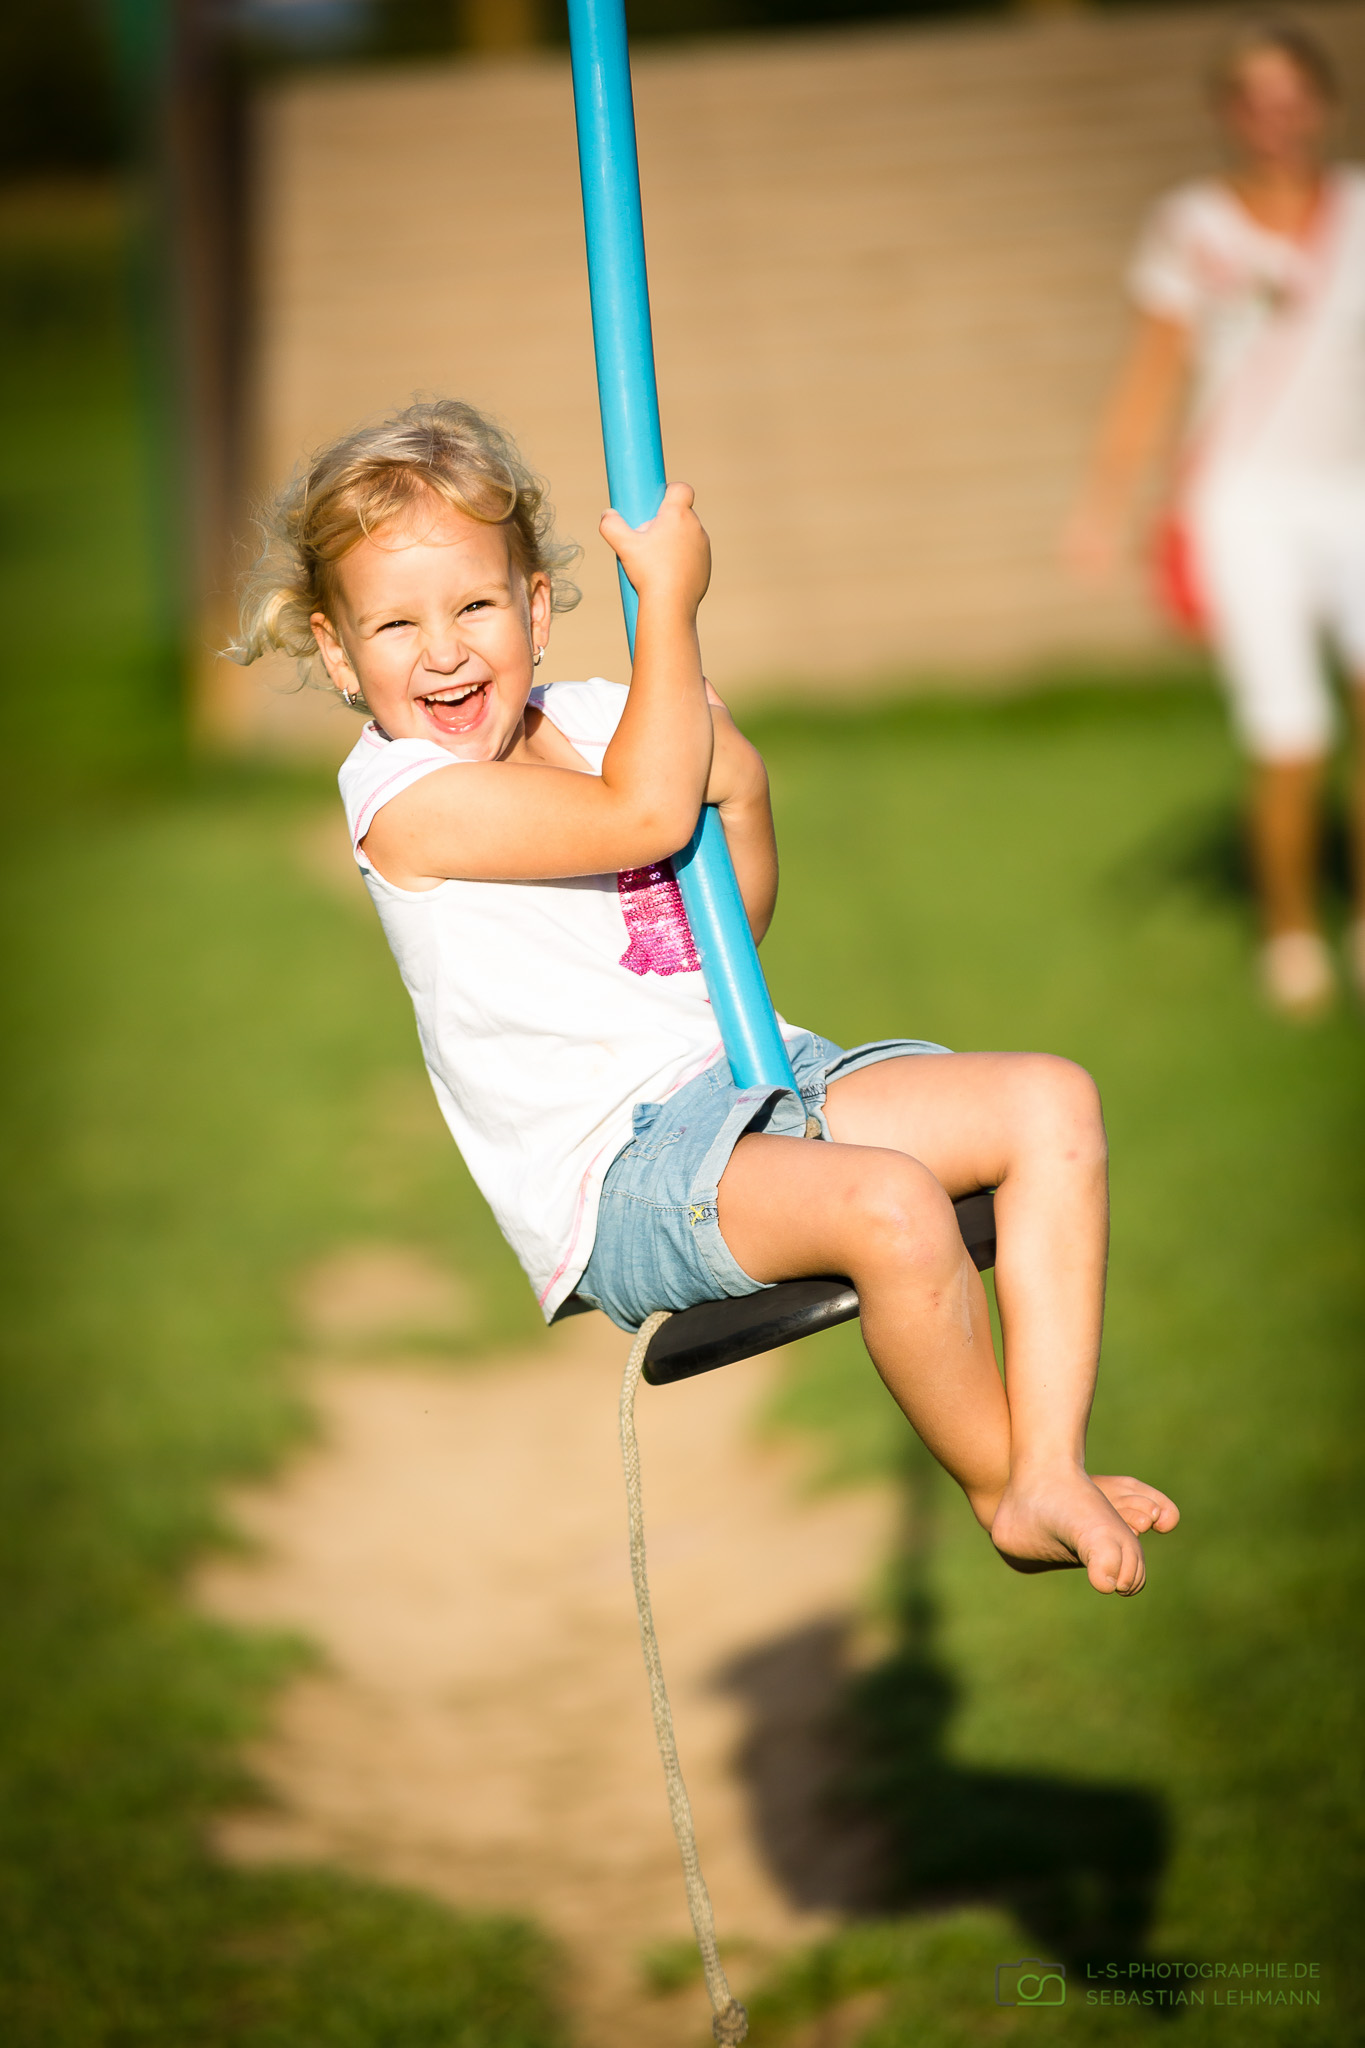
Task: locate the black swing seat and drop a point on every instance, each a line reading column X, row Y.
column 716, row 1333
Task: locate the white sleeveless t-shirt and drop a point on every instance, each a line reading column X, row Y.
column 545, row 1010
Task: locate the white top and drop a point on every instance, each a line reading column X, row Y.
column 545, row 1010
column 1278, row 326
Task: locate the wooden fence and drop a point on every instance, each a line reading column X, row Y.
column 887, row 274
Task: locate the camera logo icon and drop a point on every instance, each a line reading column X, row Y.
column 1030, row 1982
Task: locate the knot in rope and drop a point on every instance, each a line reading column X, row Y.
column 731, row 2026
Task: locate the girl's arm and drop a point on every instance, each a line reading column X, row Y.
column 525, row 821
column 738, row 785
column 1137, row 420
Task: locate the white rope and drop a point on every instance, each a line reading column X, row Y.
column 729, row 2021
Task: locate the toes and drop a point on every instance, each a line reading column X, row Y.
column 1157, row 1511
column 1161, row 1509
column 1142, row 1507
column 1113, row 1559
column 1105, row 1565
column 1132, row 1575
column 1103, row 1577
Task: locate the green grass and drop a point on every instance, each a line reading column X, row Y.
column 1176, row 1777
column 212, row 1078
column 209, row 1078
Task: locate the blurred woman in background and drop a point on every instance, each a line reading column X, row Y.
column 1250, row 296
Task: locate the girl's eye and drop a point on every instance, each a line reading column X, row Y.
column 389, row 624
column 479, row 604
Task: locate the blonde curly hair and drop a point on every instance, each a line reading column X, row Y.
column 361, row 483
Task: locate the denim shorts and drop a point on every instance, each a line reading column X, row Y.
column 658, row 1243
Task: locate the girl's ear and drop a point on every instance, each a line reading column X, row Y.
column 538, row 595
column 339, row 671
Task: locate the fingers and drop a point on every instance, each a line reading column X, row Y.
column 669, row 555
column 614, row 529
column 678, row 498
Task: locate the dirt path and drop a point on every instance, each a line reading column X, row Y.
column 455, row 1544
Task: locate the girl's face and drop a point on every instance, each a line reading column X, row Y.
column 439, row 630
column 1273, row 113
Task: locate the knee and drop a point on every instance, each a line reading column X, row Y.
column 1060, row 1103
column 899, row 1215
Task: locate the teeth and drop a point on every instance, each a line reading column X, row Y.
column 452, row 696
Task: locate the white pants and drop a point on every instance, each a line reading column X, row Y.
column 1281, row 565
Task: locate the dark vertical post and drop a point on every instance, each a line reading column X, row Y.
column 186, row 103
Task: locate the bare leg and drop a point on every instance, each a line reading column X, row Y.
column 1031, row 1127
column 911, row 1133
column 1358, row 803
column 1355, row 932
column 1286, row 834
column 789, row 1207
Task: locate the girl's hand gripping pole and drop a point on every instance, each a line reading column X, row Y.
column 629, row 402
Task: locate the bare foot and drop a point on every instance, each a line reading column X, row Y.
column 1058, row 1518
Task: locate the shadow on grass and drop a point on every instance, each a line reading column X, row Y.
column 860, row 1808
column 1202, row 853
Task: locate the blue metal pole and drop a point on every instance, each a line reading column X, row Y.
column 629, row 402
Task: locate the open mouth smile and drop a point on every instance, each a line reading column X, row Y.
column 458, row 708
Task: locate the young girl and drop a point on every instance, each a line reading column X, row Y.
column 516, row 839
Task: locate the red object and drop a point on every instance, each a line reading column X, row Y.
column 1175, row 572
